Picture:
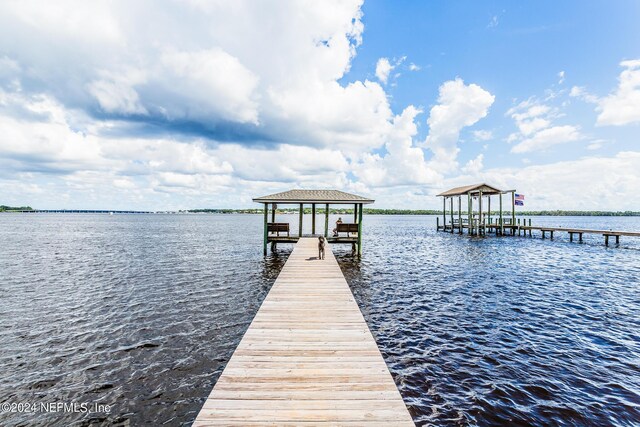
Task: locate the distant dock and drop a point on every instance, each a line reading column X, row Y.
column 308, row 357
column 523, row 229
column 480, row 222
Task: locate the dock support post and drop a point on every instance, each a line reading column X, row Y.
column 570, row 236
column 501, row 222
column 266, row 216
column 580, row 237
column 480, row 222
column 437, row 223
column 355, row 213
column 530, row 234
column 470, row 216
column 444, row 213
column 513, row 210
column 451, row 206
column 360, row 230
column 326, row 220
column 543, row 236
column 460, row 214
column 551, row 234
column 489, row 208
column 300, row 220
column 606, row 240
column 313, row 219
column 273, row 212
column 617, row 240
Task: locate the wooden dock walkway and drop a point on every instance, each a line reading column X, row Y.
column 308, row 357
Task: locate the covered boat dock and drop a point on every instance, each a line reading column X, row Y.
column 476, row 221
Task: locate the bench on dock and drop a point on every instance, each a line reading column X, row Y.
column 278, row 227
column 347, row 228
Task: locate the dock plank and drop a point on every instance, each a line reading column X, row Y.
column 308, row 357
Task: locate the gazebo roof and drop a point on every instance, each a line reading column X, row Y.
column 472, row 189
column 313, row 196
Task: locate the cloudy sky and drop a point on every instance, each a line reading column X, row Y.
column 190, row 104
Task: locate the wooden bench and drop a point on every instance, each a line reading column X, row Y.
column 278, row 227
column 347, row 228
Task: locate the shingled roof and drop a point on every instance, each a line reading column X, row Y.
column 313, row 196
column 475, row 188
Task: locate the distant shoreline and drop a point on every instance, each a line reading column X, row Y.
column 336, row 211
column 370, row 211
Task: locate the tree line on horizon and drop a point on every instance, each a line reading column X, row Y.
column 372, row 211
column 5, row 208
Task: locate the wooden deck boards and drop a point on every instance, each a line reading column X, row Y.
column 308, row 357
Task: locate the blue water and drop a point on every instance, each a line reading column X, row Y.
column 142, row 312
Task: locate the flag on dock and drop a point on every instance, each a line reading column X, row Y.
column 519, row 200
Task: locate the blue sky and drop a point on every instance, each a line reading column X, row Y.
column 515, row 50
column 173, row 105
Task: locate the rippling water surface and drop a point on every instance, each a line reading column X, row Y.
column 142, row 312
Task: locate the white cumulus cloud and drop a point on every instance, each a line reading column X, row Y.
column 383, row 68
column 622, row 106
column 482, row 135
column 403, row 163
column 546, row 138
column 536, row 131
column 459, row 105
column 474, row 166
column 561, row 75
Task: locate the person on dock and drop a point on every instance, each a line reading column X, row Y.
column 321, row 247
column 335, row 230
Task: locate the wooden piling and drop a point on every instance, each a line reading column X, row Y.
column 266, row 229
column 300, row 220
column 360, row 231
column 313, row 219
column 459, row 214
column 479, row 213
column 501, row 221
column 326, row 220
column 513, row 209
column 451, row 206
column 470, row 217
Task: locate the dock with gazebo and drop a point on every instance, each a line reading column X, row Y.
column 478, row 220
column 320, row 201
